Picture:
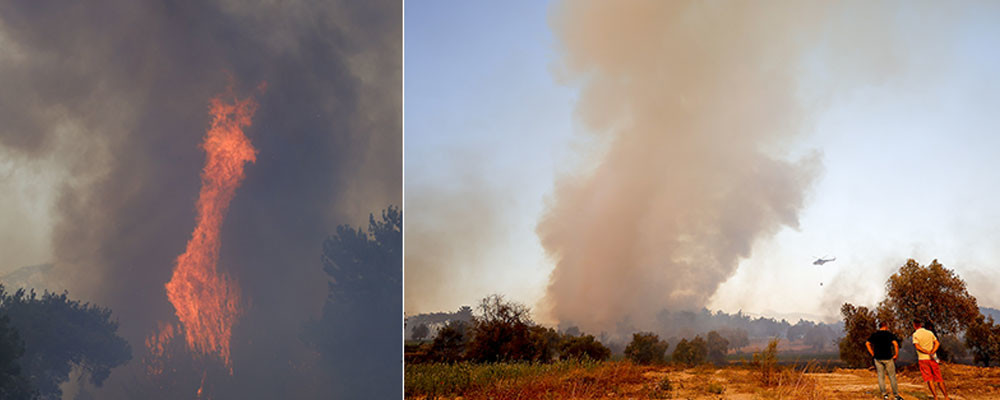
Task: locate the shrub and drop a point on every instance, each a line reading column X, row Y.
column 717, row 346
column 646, row 348
column 449, row 344
column 544, row 343
column 765, row 364
column 581, row 347
column 859, row 324
column 501, row 332
column 691, row 353
column 420, row 332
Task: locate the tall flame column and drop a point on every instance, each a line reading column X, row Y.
column 206, row 301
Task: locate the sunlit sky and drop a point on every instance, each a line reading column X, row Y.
column 909, row 164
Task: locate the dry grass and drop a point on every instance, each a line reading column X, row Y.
column 623, row 380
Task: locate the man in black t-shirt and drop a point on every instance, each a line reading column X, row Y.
column 884, row 347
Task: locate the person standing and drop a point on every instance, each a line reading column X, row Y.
column 883, row 345
column 927, row 344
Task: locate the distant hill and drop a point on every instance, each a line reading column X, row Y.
column 990, row 312
column 29, row 277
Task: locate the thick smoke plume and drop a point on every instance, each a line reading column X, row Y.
column 693, row 101
column 115, row 93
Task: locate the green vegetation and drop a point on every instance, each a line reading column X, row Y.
column 440, row 379
column 932, row 294
column 646, row 348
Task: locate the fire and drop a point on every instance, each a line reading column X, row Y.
column 206, row 301
column 157, row 345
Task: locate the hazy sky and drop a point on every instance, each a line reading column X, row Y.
column 907, row 154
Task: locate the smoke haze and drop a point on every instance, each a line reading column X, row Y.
column 113, row 96
column 698, row 106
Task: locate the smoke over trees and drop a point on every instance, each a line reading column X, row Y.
column 358, row 336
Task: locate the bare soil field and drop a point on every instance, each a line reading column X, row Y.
column 623, row 380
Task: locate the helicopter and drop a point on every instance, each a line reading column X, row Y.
column 821, row 260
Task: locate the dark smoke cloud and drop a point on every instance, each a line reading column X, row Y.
column 695, row 102
column 119, row 91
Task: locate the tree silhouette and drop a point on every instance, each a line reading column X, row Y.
column 13, row 383
column 358, row 334
column 59, row 334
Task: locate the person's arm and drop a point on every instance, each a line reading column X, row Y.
column 935, row 348
column 895, row 349
column 870, row 350
column 917, row 345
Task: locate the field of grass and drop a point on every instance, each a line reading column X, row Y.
column 624, row 380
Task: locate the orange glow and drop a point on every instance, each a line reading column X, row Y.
column 206, row 301
column 157, row 345
column 201, row 388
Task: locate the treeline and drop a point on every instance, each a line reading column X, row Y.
column 421, row 326
column 818, row 336
column 935, row 295
column 502, row 331
column 738, row 329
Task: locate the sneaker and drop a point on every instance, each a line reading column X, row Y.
column 898, row 397
column 885, row 397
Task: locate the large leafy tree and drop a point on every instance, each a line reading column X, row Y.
column 932, row 293
column 929, row 293
column 358, row 334
column 59, row 334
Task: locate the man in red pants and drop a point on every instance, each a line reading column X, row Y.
column 927, row 344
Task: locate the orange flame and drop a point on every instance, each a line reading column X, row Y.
column 206, row 301
column 157, row 345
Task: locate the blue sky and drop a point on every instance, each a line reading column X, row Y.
column 483, row 114
column 909, row 162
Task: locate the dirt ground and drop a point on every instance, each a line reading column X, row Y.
column 963, row 383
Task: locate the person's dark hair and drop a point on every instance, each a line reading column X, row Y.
column 918, row 322
column 883, row 324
